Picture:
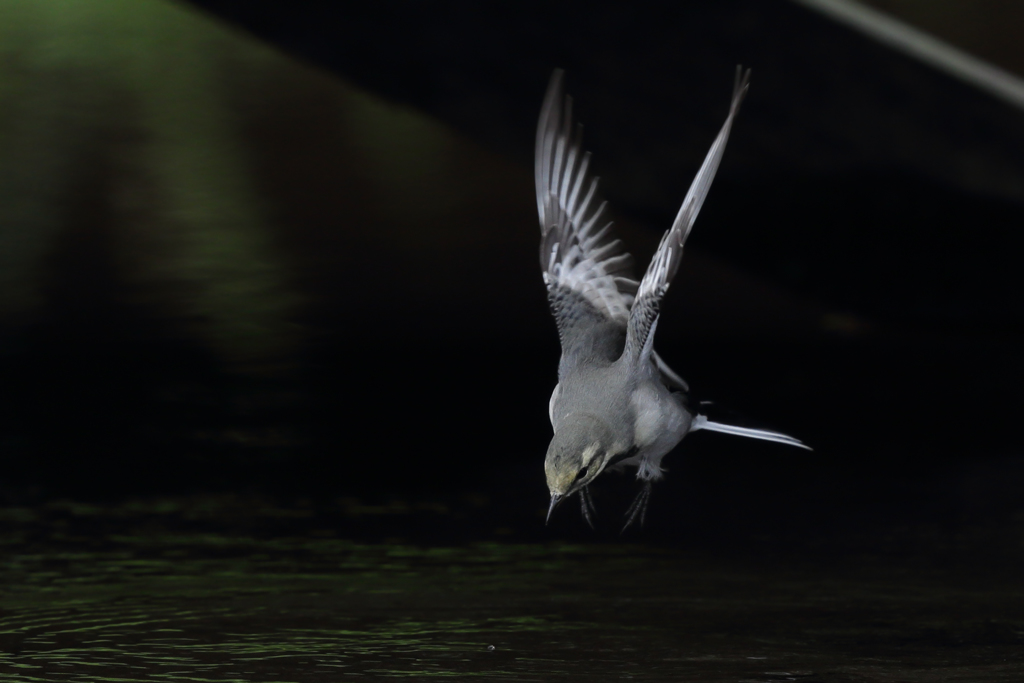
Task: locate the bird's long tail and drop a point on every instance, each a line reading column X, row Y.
column 702, row 422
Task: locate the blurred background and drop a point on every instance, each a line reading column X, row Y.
column 275, row 352
column 289, row 250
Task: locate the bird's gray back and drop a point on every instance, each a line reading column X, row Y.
column 601, row 389
column 588, row 337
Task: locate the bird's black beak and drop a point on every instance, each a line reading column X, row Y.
column 555, row 499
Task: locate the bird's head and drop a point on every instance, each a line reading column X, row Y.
column 579, row 451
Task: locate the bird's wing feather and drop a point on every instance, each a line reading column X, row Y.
column 668, row 376
column 643, row 317
column 587, row 272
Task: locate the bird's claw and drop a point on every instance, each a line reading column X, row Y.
column 587, row 506
column 638, row 508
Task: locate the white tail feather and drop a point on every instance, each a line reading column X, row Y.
column 701, row 422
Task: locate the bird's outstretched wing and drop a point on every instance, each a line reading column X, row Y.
column 643, row 317
column 587, row 272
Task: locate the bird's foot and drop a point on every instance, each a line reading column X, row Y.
column 639, row 506
column 587, row 506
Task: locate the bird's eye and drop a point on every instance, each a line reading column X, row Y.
column 582, row 473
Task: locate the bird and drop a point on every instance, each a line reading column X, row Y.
column 617, row 404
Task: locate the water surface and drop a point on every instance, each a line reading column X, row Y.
column 206, row 590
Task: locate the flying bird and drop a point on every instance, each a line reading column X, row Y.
column 617, row 404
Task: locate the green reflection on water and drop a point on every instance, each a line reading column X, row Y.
column 161, row 591
column 278, row 604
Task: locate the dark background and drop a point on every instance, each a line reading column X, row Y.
column 305, row 268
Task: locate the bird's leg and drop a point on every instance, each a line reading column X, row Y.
column 639, row 506
column 587, row 506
